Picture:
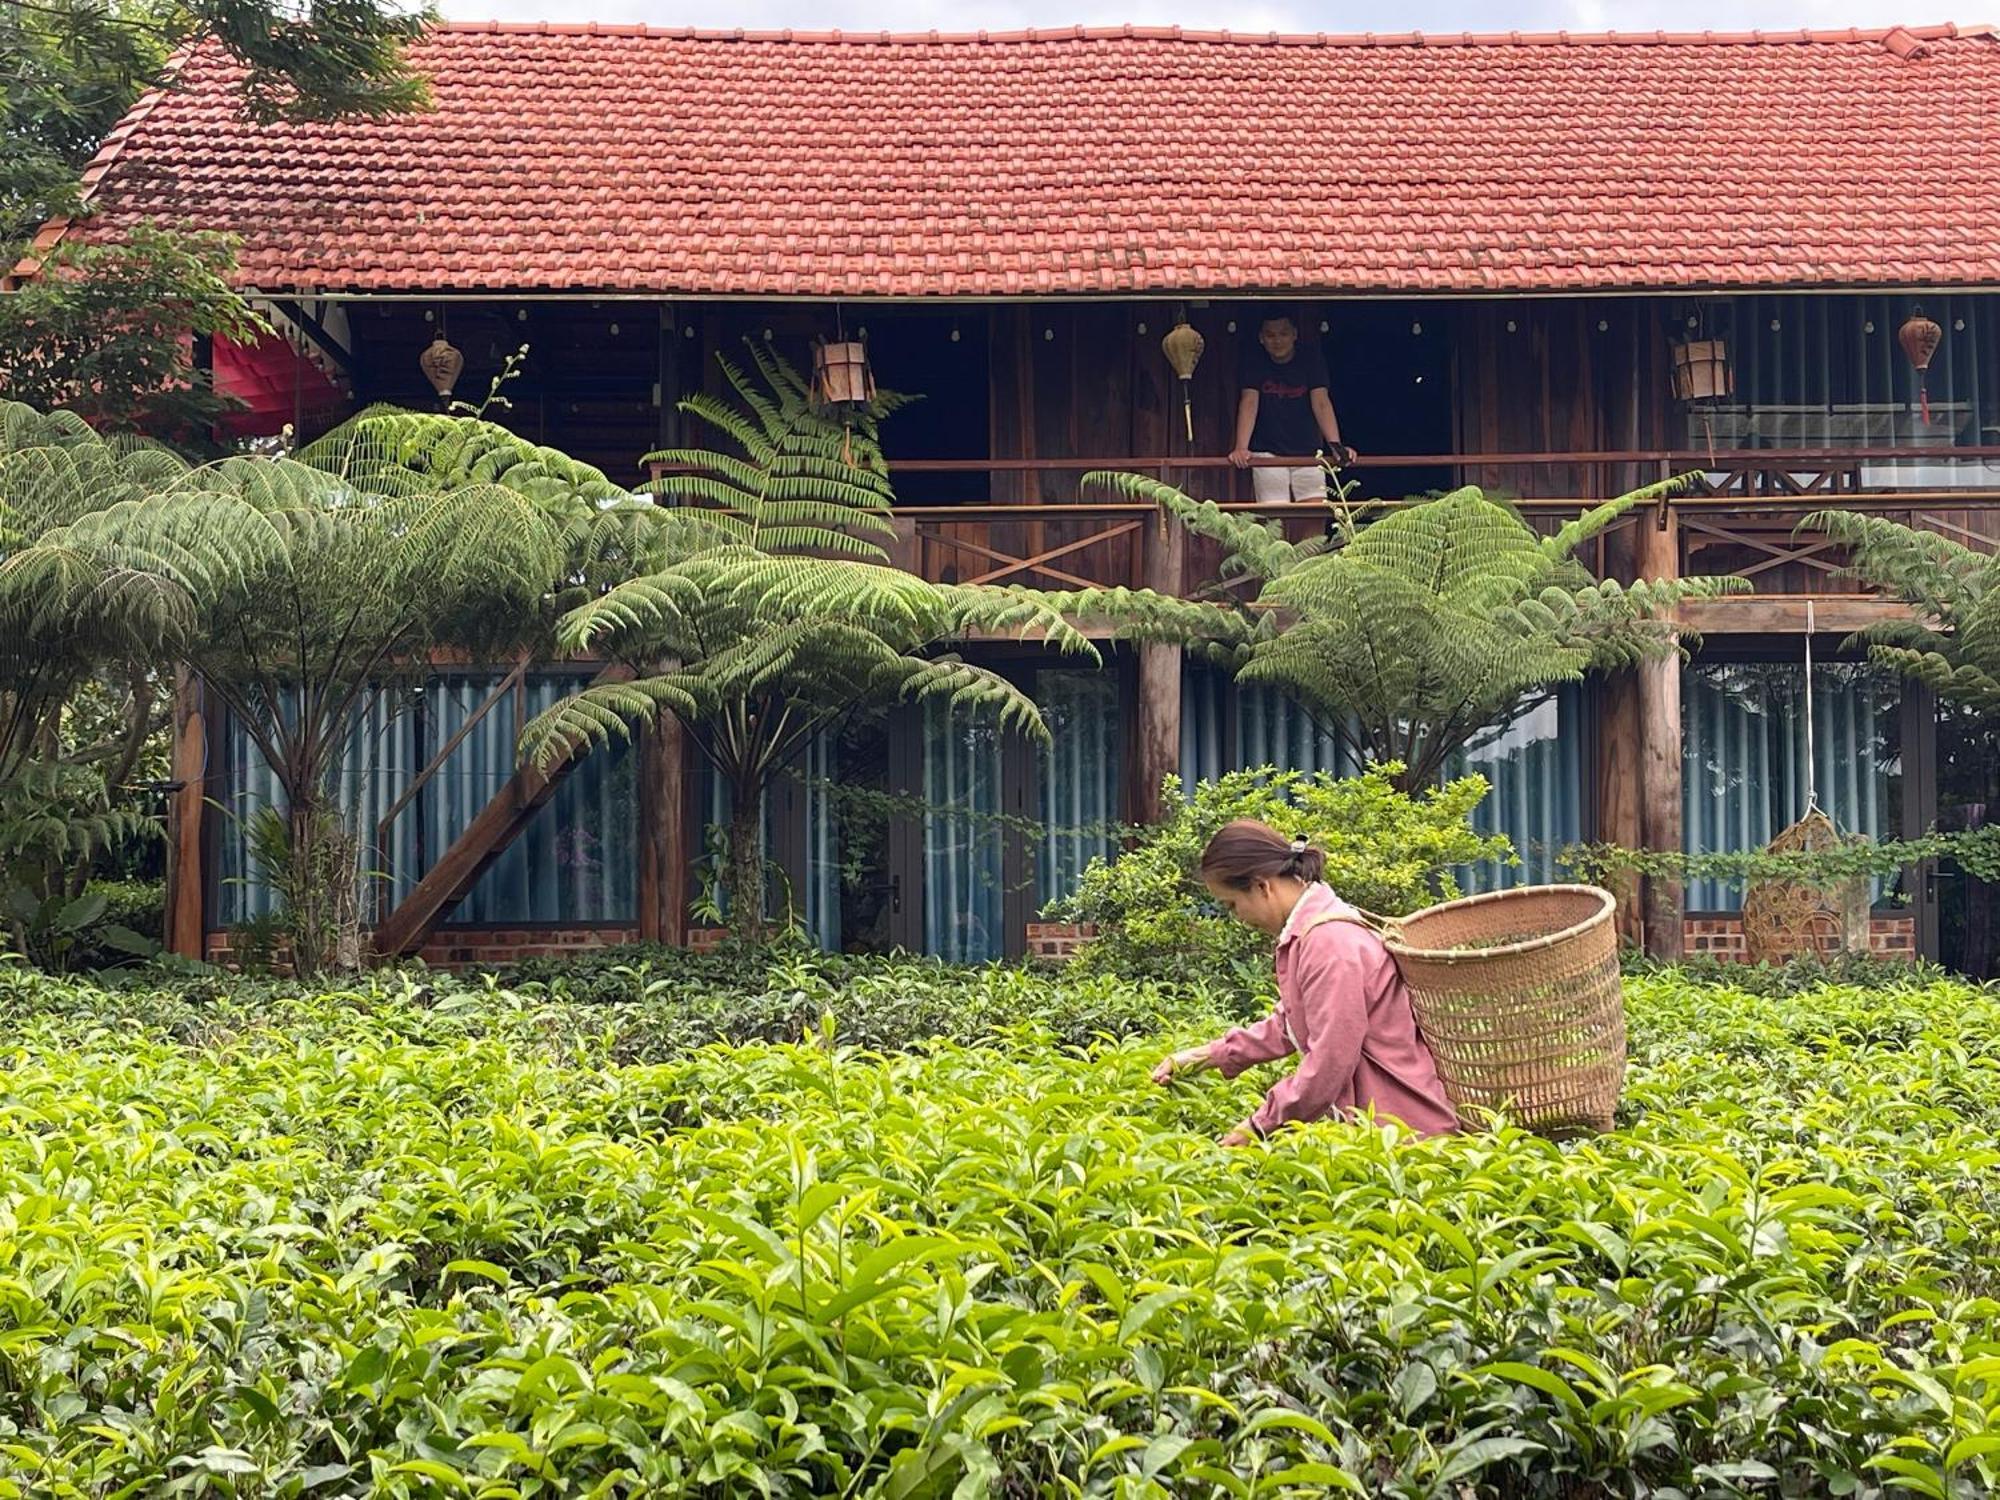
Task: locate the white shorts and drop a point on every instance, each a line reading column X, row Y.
column 1273, row 486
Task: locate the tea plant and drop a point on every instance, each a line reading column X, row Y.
column 401, row 1242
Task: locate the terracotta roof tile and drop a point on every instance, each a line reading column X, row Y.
column 1120, row 160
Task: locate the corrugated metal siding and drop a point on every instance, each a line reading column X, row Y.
column 576, row 862
column 1744, row 757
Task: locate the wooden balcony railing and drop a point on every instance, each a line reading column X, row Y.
column 1739, row 515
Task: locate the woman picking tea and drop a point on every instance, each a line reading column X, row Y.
column 1341, row 1004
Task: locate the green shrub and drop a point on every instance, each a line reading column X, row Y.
column 1795, row 976
column 406, row 1242
column 650, row 1004
column 1385, row 851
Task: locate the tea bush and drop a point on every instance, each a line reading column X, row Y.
column 398, row 1242
column 648, row 1004
column 1386, row 851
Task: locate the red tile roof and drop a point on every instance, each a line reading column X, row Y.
column 1104, row 161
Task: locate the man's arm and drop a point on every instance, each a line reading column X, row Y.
column 1246, row 423
column 1329, row 424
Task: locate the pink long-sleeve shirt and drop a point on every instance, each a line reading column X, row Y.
column 1343, row 1007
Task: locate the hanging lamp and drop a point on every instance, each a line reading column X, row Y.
column 843, row 385
column 441, row 364
column 1920, row 338
column 1182, row 347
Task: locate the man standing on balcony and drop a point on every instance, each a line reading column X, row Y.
column 1284, row 409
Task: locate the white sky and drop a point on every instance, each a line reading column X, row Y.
column 1234, row 15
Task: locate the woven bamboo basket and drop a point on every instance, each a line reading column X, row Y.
column 1519, row 996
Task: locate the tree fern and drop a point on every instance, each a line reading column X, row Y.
column 1418, row 628
column 297, row 588
column 1951, row 642
column 798, row 481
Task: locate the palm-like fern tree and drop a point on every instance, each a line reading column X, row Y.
column 61, row 623
column 765, row 612
column 1951, row 641
column 1408, row 635
column 299, row 587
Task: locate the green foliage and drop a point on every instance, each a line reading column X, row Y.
column 410, row 1242
column 762, row 615
column 1429, row 623
column 1975, row 850
column 1796, row 976
column 102, row 330
column 1386, row 851
column 75, row 66
column 1951, row 641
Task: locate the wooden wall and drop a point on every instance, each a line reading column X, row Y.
column 1576, row 375
column 583, row 387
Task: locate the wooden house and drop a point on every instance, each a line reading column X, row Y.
column 1506, row 248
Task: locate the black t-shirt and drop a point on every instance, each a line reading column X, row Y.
column 1285, row 423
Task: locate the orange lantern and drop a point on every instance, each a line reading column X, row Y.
column 442, row 366
column 1920, row 338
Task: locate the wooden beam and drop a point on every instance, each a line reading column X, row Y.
column 664, row 850
column 1785, row 614
column 1616, row 773
column 1660, row 749
column 1157, row 750
column 187, row 932
column 313, row 329
column 492, row 830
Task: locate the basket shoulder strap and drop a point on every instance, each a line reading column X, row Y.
column 1375, row 924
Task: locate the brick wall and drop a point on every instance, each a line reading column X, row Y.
column 1722, row 937
column 1056, row 942
column 469, row 947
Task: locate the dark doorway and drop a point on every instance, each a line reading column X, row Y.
column 1389, row 373
column 940, row 357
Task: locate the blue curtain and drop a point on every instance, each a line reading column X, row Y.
column 577, row 861
column 964, row 864
column 1079, row 775
column 1535, row 766
column 1271, row 730
column 1744, row 757
column 1828, row 372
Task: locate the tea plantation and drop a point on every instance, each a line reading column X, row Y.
column 869, row 1233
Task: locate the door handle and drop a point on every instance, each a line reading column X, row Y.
column 896, row 895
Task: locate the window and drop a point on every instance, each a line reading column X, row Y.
column 1535, row 765
column 1828, row 372
column 1744, row 758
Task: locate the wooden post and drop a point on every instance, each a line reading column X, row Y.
column 1158, row 731
column 1660, row 746
column 1620, row 820
column 186, row 919
column 663, row 833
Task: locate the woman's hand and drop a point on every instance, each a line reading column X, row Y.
column 1242, row 1135
column 1187, row 1060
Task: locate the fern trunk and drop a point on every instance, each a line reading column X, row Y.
column 322, row 908
column 746, row 863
